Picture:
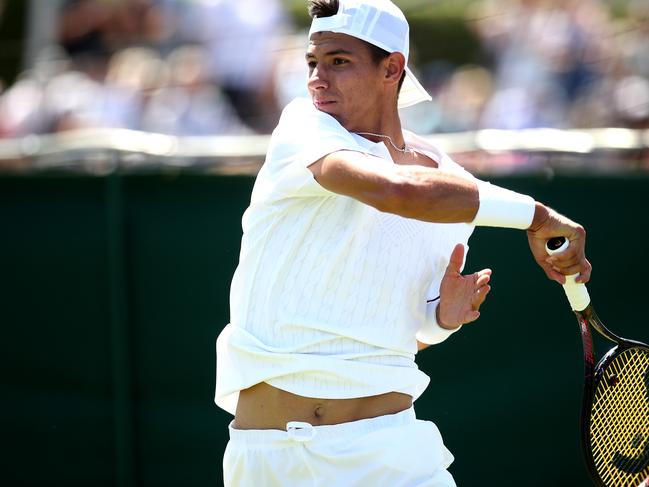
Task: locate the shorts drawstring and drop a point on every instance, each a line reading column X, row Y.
column 302, row 432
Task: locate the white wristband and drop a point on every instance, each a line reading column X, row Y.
column 431, row 333
column 500, row 207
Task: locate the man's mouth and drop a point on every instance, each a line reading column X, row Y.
column 320, row 104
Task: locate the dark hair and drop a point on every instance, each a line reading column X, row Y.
column 323, row 8
column 329, row 8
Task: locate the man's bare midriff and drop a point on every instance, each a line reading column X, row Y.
column 266, row 407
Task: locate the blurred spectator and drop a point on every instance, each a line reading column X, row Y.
column 189, row 104
column 463, row 97
column 242, row 38
column 134, row 73
column 19, row 109
column 53, row 97
column 546, row 54
column 635, row 49
column 82, row 33
column 22, row 104
column 98, row 28
column 632, row 90
column 92, row 31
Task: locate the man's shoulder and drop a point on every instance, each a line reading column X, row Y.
column 302, row 122
column 301, row 114
column 427, row 144
column 304, row 134
column 298, row 105
column 297, row 111
column 421, row 142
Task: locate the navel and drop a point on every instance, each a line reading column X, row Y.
column 319, row 411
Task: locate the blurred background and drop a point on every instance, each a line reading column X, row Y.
column 211, row 67
column 130, row 135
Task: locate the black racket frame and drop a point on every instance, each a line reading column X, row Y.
column 594, row 374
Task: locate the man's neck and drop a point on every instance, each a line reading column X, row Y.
column 386, row 126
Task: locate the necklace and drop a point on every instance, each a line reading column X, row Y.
column 405, row 150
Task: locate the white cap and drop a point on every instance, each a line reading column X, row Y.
column 381, row 23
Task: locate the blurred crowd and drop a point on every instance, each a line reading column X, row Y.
column 547, row 63
column 226, row 67
column 181, row 67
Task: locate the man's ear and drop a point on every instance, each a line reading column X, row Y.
column 395, row 63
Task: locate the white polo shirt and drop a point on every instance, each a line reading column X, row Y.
column 330, row 294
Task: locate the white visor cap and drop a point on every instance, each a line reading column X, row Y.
column 381, row 23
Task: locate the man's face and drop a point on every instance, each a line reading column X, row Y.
column 344, row 81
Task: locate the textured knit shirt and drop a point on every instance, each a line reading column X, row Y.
column 330, row 294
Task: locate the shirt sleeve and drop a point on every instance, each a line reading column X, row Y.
column 303, row 136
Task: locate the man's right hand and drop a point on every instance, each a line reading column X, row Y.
column 548, row 223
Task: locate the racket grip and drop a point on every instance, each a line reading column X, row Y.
column 576, row 292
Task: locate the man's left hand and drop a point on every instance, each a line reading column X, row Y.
column 461, row 295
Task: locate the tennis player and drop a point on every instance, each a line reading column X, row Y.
column 352, row 252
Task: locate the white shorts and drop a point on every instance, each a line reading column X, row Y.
column 396, row 450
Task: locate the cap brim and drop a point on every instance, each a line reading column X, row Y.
column 411, row 91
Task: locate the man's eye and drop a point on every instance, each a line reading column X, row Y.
column 338, row 61
column 311, row 65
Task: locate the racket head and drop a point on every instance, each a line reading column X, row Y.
column 615, row 417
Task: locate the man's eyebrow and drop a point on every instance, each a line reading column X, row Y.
column 335, row 52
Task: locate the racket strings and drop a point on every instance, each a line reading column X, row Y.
column 619, row 422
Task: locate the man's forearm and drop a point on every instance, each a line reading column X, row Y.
column 435, row 196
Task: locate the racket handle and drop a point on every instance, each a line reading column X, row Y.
column 576, row 292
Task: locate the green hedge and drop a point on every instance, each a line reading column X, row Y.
column 114, row 290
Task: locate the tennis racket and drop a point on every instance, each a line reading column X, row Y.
column 615, row 404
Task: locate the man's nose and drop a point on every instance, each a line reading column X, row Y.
column 317, row 80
